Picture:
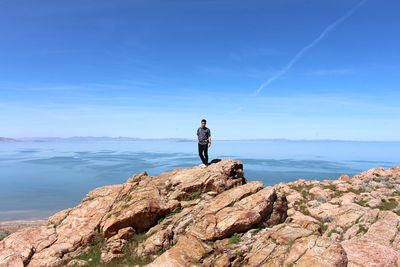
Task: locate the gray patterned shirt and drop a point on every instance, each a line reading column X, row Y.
column 203, row 134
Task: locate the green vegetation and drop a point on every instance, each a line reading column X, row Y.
column 323, row 227
column 302, row 189
column 362, row 203
column 355, row 191
column 235, row 238
column 116, row 214
column 302, row 207
column 93, row 255
column 362, row 229
column 88, row 198
column 334, row 189
column 129, row 257
column 239, row 253
column 320, row 198
column 210, row 242
column 162, row 250
column 4, row 234
column 192, row 196
column 172, row 213
column 332, row 231
column 396, row 193
column 305, row 194
column 175, row 211
column 388, row 204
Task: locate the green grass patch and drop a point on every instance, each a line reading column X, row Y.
column 331, row 232
column 303, row 190
column 93, row 255
column 129, row 257
column 305, row 194
column 388, row 204
column 4, row 234
column 301, row 187
column 192, row 196
column 235, row 238
column 323, row 227
column 239, row 253
column 334, row 189
column 303, row 209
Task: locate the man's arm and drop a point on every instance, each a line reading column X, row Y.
column 209, row 138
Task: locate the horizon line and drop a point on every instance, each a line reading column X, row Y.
column 127, row 138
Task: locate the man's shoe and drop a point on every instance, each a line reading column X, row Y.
column 202, row 165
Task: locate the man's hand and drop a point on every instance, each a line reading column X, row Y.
column 209, row 144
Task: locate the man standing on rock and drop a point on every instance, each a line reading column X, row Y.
column 204, row 142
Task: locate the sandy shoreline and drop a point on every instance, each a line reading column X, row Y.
column 14, row 225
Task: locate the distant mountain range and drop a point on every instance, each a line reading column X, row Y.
column 90, row 138
column 5, row 139
column 121, row 138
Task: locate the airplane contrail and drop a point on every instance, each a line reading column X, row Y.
column 304, row 50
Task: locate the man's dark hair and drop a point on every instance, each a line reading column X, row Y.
column 203, row 120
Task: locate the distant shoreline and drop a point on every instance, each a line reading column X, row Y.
column 11, row 226
column 106, row 138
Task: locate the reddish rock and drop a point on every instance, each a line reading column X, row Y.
column 213, row 217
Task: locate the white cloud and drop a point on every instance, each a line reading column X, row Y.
column 305, row 49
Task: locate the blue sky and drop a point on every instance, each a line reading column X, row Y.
column 155, row 68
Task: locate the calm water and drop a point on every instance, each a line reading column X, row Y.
column 40, row 178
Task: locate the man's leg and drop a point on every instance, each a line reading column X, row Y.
column 206, row 154
column 201, row 153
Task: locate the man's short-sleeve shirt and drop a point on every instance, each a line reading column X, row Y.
column 203, row 134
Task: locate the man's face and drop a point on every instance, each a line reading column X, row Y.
column 203, row 124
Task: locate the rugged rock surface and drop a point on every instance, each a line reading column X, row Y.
column 213, row 217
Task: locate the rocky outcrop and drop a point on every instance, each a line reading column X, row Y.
column 213, row 217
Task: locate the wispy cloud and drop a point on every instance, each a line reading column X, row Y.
column 305, row 49
column 238, row 109
column 235, row 72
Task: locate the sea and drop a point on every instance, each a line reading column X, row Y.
column 39, row 178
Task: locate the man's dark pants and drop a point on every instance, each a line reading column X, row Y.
column 203, row 149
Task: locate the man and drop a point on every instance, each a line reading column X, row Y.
column 204, row 142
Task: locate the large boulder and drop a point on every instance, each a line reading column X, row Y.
column 137, row 204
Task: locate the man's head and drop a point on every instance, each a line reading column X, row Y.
column 203, row 123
